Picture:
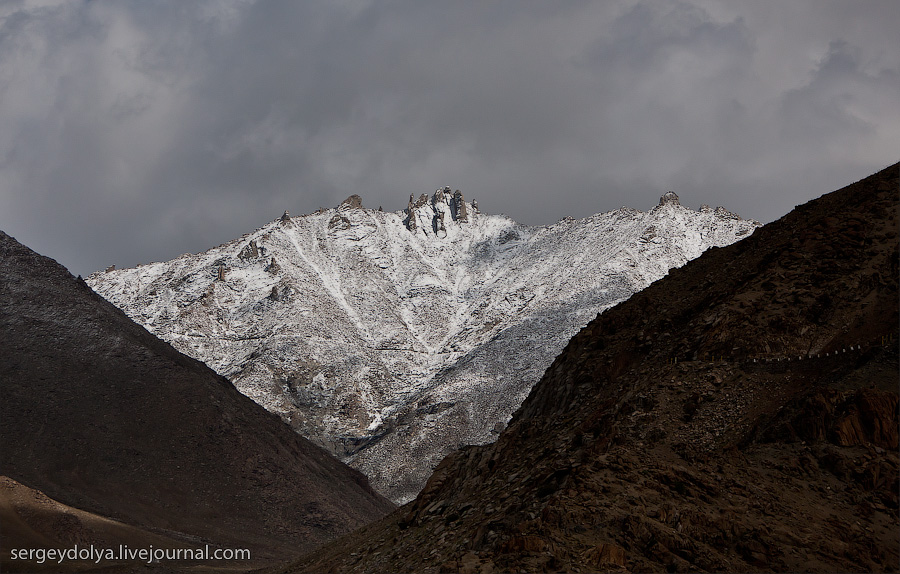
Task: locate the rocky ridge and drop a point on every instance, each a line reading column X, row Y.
column 739, row 415
column 112, row 423
column 394, row 338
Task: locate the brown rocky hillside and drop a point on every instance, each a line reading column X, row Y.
column 739, row 415
column 100, row 416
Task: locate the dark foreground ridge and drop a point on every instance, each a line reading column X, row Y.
column 623, row 459
column 99, row 415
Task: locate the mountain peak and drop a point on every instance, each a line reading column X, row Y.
column 372, row 330
column 669, row 197
column 434, row 213
column 354, row 201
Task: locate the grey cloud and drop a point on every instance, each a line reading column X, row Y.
column 135, row 131
column 824, row 108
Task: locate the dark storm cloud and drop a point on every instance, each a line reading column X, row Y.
column 135, row 131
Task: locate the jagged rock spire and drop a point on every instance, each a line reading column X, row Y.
column 438, row 224
column 410, row 215
column 669, row 197
column 460, row 204
column 250, row 251
column 443, row 201
column 352, row 201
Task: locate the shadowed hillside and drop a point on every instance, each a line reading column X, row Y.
column 740, row 414
column 101, row 416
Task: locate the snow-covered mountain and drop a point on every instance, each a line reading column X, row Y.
column 394, row 338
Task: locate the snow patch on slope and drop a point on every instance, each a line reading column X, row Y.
column 394, row 338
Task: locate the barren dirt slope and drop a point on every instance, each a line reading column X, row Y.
column 99, row 414
column 738, row 415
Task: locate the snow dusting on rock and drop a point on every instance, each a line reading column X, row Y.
column 394, row 338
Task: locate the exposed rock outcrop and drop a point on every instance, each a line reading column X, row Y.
column 436, row 209
column 669, row 197
column 861, row 417
column 440, row 229
column 410, row 221
column 721, row 211
column 352, row 202
column 251, row 251
column 460, row 213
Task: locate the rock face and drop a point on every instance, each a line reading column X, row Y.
column 352, row 202
column 394, row 338
column 460, row 212
column 410, row 221
column 442, row 207
column 251, row 251
column 669, row 197
column 100, row 415
column 738, row 415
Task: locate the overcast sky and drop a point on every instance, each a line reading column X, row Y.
column 132, row 132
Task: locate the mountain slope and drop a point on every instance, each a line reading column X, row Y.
column 394, row 338
column 99, row 414
column 739, row 415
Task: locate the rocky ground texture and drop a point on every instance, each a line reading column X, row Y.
column 673, row 434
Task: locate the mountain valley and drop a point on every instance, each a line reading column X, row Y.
column 392, row 339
